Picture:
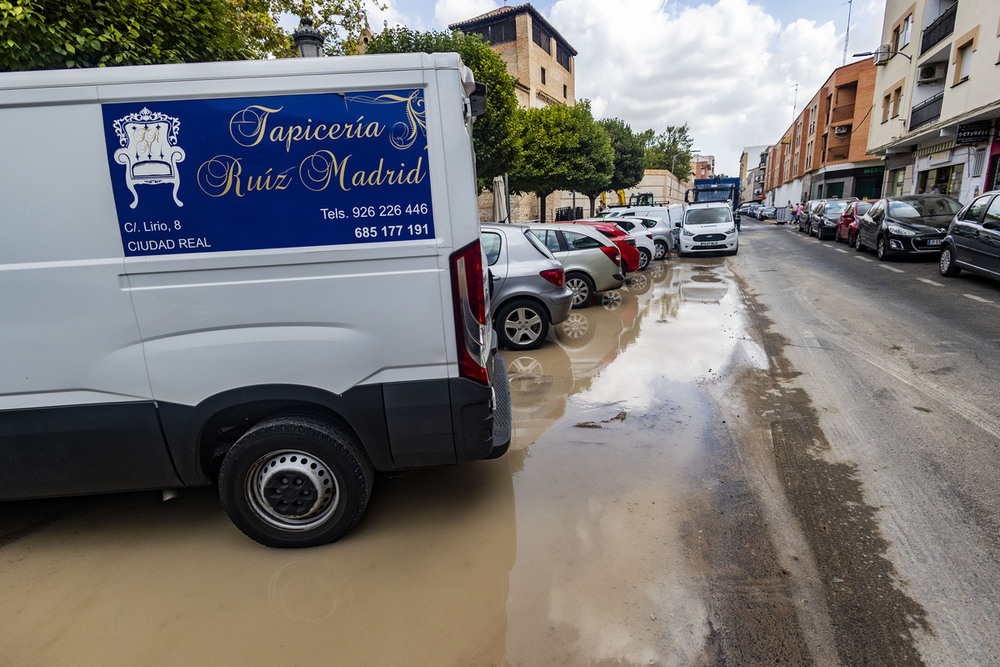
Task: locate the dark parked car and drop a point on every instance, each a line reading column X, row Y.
column 847, row 226
column 973, row 240
column 766, row 213
column 824, row 216
column 907, row 225
column 802, row 222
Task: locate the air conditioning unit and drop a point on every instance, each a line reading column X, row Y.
column 931, row 73
column 882, row 54
column 842, row 130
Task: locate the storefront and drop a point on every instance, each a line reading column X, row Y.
column 861, row 182
column 961, row 168
column 993, row 173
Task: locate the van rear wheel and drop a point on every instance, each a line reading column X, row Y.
column 295, row 481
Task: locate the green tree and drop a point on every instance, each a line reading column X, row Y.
column 671, row 150
column 629, row 159
column 52, row 34
column 494, row 134
column 564, row 149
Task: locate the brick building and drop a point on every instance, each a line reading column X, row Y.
column 823, row 152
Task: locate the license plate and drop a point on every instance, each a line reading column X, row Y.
column 933, row 241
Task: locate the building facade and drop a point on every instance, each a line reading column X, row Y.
column 753, row 160
column 823, row 154
column 937, row 97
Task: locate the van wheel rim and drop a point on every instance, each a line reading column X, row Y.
column 292, row 490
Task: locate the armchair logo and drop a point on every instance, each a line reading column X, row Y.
column 149, row 151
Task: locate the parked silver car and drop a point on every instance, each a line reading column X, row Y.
column 528, row 288
column 592, row 262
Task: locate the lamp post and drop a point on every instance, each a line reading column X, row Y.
column 879, row 53
column 308, row 40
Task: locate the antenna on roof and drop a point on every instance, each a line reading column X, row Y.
column 847, row 35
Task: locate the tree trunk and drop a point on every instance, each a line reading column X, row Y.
column 541, row 213
column 593, row 204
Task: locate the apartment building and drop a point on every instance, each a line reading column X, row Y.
column 937, row 97
column 823, row 154
column 753, row 160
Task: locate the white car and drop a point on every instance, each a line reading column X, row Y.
column 667, row 217
column 709, row 227
column 641, row 229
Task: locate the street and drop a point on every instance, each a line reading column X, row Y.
column 786, row 456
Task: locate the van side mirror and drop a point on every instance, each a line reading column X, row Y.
column 477, row 100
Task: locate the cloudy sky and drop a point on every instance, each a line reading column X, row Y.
column 727, row 68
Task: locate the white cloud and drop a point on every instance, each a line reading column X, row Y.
column 727, row 69
column 453, row 11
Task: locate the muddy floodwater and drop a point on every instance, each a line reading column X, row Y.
column 617, row 530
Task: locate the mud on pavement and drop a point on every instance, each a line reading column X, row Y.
column 870, row 618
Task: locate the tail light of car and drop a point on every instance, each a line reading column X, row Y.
column 471, row 312
column 630, row 241
column 555, row 276
column 613, row 253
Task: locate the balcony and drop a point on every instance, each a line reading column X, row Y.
column 842, row 113
column 942, row 26
column 837, row 153
column 927, row 111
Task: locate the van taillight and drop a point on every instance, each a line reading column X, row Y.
column 471, row 316
column 555, row 276
column 612, row 252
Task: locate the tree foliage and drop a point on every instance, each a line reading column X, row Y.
column 494, row 134
column 629, row 160
column 671, row 150
column 564, row 149
column 53, row 34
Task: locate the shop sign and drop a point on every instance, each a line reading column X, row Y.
column 973, row 133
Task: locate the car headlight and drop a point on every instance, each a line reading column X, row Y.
column 901, row 231
column 731, row 230
column 688, row 233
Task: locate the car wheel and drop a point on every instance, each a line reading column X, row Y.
column 521, row 325
column 946, row 263
column 852, row 240
column 881, row 249
column 644, row 258
column 582, row 287
column 295, row 481
column 661, row 249
column 858, row 245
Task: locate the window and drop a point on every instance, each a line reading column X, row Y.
column 886, row 104
column 895, row 39
column 564, row 91
column 577, row 241
column 499, row 33
column 549, row 238
column 562, row 56
column 993, row 212
column 972, row 213
column 963, row 61
column 543, row 76
column 541, row 37
column 491, row 246
column 897, row 97
column 978, row 162
column 904, row 36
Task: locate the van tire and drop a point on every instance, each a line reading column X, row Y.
column 582, row 287
column 522, row 316
column 298, row 460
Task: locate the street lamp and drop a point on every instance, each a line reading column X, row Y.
column 882, row 53
column 308, row 40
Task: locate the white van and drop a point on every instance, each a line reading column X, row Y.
column 265, row 275
column 709, row 227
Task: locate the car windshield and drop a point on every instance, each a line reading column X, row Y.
column 862, row 207
column 835, row 207
column 708, row 216
column 922, row 207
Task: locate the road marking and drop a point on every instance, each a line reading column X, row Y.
column 977, row 298
column 892, row 268
column 863, row 259
column 809, row 339
column 930, row 282
column 841, row 250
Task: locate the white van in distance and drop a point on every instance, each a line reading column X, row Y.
column 261, row 275
column 709, row 227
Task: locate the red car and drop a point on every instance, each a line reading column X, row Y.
column 847, row 225
column 621, row 238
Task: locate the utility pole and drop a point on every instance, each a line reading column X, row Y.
column 795, row 101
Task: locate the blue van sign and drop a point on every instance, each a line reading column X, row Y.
column 269, row 172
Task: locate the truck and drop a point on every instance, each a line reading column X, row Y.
column 264, row 276
column 716, row 189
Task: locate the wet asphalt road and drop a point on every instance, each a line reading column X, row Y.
column 788, row 456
